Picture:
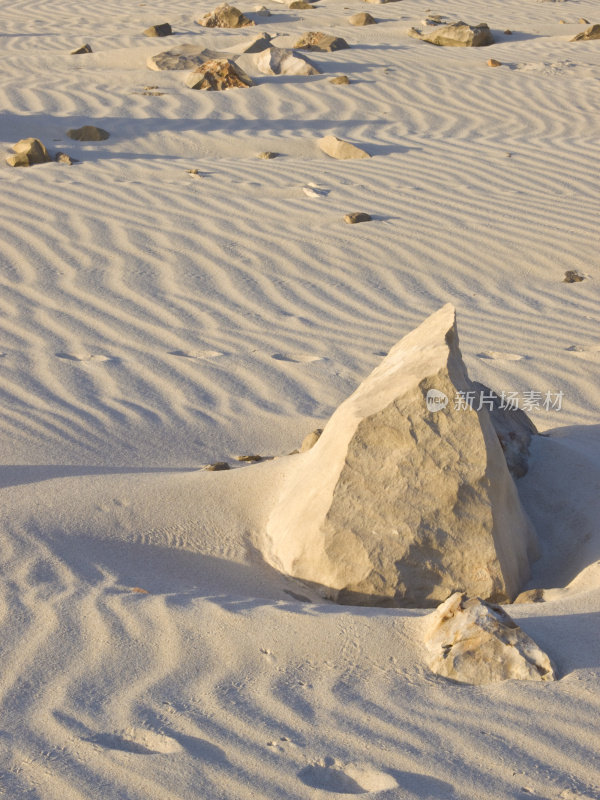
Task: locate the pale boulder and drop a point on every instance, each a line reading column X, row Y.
column 474, row 642
column 28, row 152
column 338, row 148
column 280, row 61
column 400, row 505
column 457, row 34
column 225, row 16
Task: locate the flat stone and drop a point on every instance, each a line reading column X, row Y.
column 457, row 34
column 340, row 80
column 164, row 29
column 357, row 216
column 320, row 42
column 572, row 276
column 300, row 5
column 88, row 133
column 250, row 459
column 218, row 466
column 363, row 18
column 338, row 148
column 225, row 16
column 406, row 497
column 268, row 155
column 593, row 32
column 475, row 642
column 218, row 75
column 33, row 150
column 184, row 57
column 280, row 61
column 85, row 48
column 310, row 440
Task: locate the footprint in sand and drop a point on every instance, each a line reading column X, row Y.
column 197, row 354
column 493, row 355
column 86, row 357
column 297, row 358
column 346, row 779
column 137, row 740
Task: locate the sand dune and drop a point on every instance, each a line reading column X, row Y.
column 153, row 321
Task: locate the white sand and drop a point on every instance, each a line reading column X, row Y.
column 152, row 321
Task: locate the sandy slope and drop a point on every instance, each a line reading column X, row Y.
column 152, row 321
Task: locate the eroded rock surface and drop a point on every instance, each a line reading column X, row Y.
column 474, row 642
column 457, row 34
column 593, row 32
column 27, row 153
column 321, row 42
column 218, row 75
column 398, row 504
column 281, row 61
column 225, row 16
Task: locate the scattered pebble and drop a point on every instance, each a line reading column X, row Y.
column 159, row 30
column 218, row 466
column 340, row 80
column 572, row 276
column 583, row 21
column 508, row 32
column 64, row 158
column 363, row 18
column 268, row 154
column 253, row 459
column 262, row 11
column 357, row 216
column 85, row 48
column 492, row 62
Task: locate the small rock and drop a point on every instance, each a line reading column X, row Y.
column 492, row 62
column 363, row 18
column 85, row 48
column 88, row 133
column 218, row 466
column 433, row 19
column 251, row 459
column 310, row 440
column 458, row 34
column 572, row 276
column 561, row 22
column 530, row 596
column 225, row 16
column 300, row 5
column 340, row 80
column 280, row 61
column 338, row 148
column 193, row 171
column 320, row 42
column 593, row 32
column 475, row 642
column 583, row 21
column 28, row 152
column 262, row 11
column 218, row 75
column 268, row 154
column 164, row 29
column 64, row 158
column 508, row 32
column 357, row 216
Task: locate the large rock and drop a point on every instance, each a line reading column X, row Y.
column 225, row 16
column 28, row 152
column 593, row 32
column 321, row 42
column 406, row 497
column 457, row 34
column 338, row 148
column 218, row 75
column 474, row 642
column 280, row 61
column 88, row 133
column 190, row 56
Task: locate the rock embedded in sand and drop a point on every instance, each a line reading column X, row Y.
column 268, row 155
column 88, row 133
column 27, row 153
column 64, row 158
column 492, row 62
column 262, row 11
column 217, row 466
column 340, row 80
column 357, row 216
column 457, row 34
column 280, row 61
column 474, row 642
column 164, row 29
column 320, row 42
column 218, row 75
column 573, row 276
column 593, row 32
column 85, row 48
column 338, row 148
column 363, row 18
column 310, row 440
column 407, row 496
column 225, row 16
column 300, row 5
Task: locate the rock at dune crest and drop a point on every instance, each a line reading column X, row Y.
column 406, row 497
column 225, row 16
column 471, row 641
column 457, row 34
